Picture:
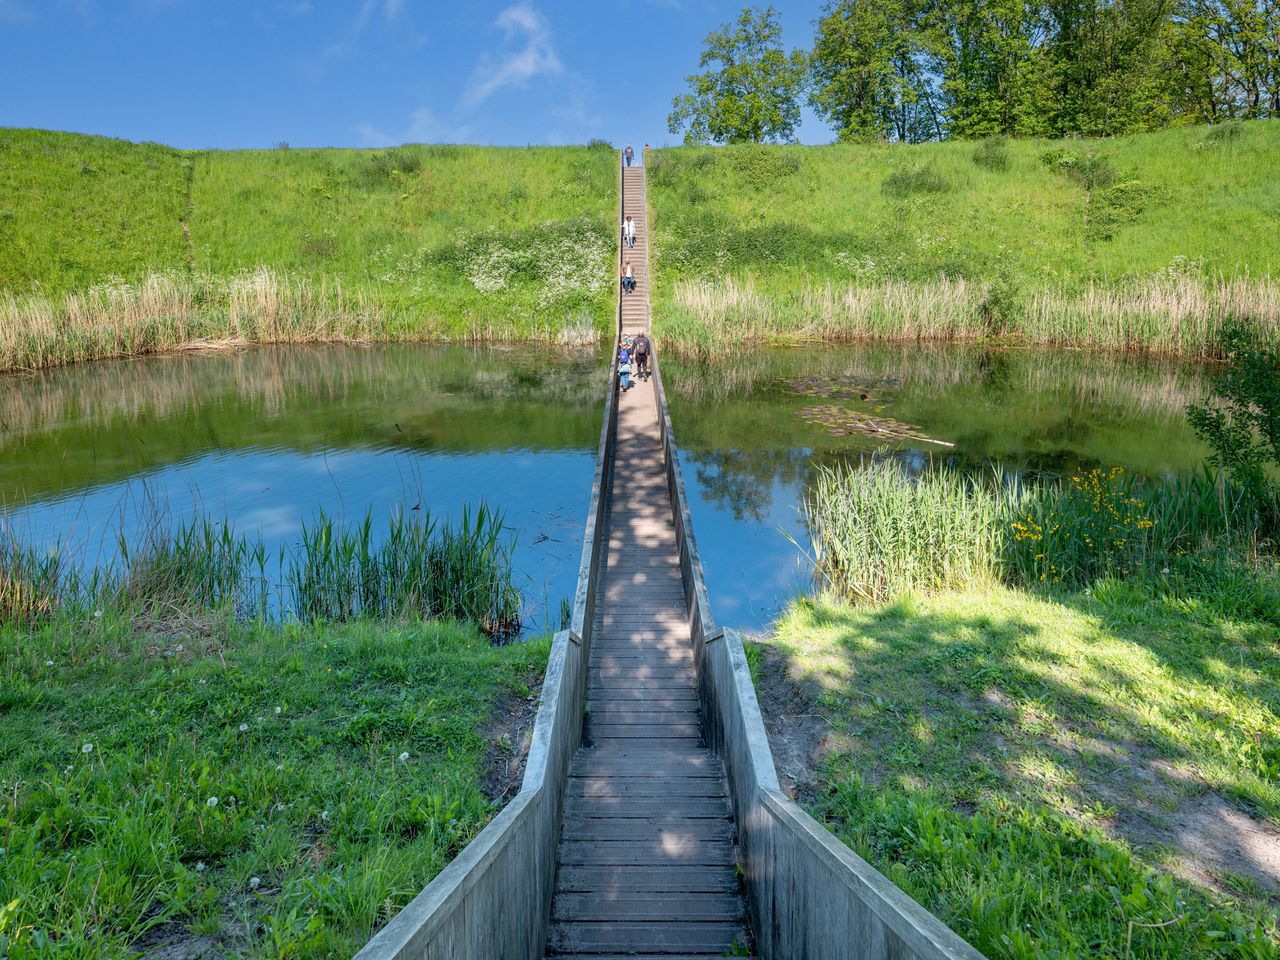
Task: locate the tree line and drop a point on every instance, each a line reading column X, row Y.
column 915, row 70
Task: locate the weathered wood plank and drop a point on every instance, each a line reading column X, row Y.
column 647, row 907
column 572, row 937
column 674, row 851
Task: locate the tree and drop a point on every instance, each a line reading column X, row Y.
column 871, row 70
column 751, row 94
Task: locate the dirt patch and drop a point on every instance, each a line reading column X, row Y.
column 798, row 735
column 509, row 734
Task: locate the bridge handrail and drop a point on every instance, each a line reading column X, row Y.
column 494, row 899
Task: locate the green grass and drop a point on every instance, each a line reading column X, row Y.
column 923, row 242
column 346, row 762
column 1030, row 767
column 111, row 248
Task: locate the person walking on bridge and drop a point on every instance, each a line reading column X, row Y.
column 642, row 347
column 628, row 277
column 629, row 154
column 629, row 232
column 624, row 369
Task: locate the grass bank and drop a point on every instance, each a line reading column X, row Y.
column 1081, row 773
column 112, row 248
column 186, row 766
column 1146, row 243
column 205, row 784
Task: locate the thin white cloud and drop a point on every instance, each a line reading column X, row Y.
column 519, row 22
column 423, row 127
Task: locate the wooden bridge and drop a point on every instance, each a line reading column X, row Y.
column 650, row 824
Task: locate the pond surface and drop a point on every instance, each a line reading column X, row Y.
column 268, row 437
column 752, row 430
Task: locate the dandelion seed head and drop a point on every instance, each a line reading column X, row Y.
column 199, row 866
column 87, row 748
column 324, row 815
column 278, row 711
column 244, row 727
column 255, row 882
column 211, row 802
column 404, row 756
column 48, row 663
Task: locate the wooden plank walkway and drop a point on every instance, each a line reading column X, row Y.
column 646, row 862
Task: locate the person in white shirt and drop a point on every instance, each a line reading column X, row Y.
column 629, row 232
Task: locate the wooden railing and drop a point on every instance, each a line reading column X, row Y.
column 493, row 901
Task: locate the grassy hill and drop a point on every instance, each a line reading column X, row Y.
column 109, row 248
column 1147, row 241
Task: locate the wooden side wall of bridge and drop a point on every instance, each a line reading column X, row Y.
column 808, row 896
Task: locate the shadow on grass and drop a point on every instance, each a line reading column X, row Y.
column 1002, row 757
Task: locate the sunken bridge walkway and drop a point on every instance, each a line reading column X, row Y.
column 650, row 823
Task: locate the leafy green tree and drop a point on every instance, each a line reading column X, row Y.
column 1241, row 421
column 1224, row 59
column 871, row 70
column 751, row 93
column 992, row 69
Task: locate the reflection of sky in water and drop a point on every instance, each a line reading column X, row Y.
column 751, row 567
column 272, row 492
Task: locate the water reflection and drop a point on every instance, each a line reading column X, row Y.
column 270, row 436
column 749, row 451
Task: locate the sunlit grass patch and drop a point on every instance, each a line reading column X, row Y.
column 269, row 790
column 1026, row 765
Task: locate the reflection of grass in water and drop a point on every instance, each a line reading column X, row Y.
column 1020, row 764
column 1121, row 382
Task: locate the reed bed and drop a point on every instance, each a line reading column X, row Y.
column 417, row 568
column 460, row 572
column 1176, row 316
column 879, row 531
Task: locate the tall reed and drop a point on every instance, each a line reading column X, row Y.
column 1177, row 316
column 878, row 530
column 459, row 571
column 28, row 582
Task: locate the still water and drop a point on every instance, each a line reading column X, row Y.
column 752, row 430
column 268, row 437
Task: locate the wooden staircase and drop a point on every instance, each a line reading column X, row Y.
column 646, row 866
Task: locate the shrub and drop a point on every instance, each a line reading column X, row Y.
column 992, row 154
column 595, row 143
column 1224, row 132
column 386, row 168
column 762, row 166
column 1240, row 421
column 1090, row 170
column 911, row 180
column 1121, row 203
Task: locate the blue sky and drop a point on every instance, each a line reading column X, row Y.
column 358, row 73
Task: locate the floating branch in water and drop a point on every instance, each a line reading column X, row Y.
column 843, row 422
column 841, row 387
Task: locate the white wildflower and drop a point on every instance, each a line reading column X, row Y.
column 278, row 710
column 48, row 663
column 211, row 802
column 404, row 756
column 199, row 866
column 97, row 614
column 244, row 727
column 87, row 748
column 279, row 767
column 325, row 816
column 255, row 882
column 279, row 808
